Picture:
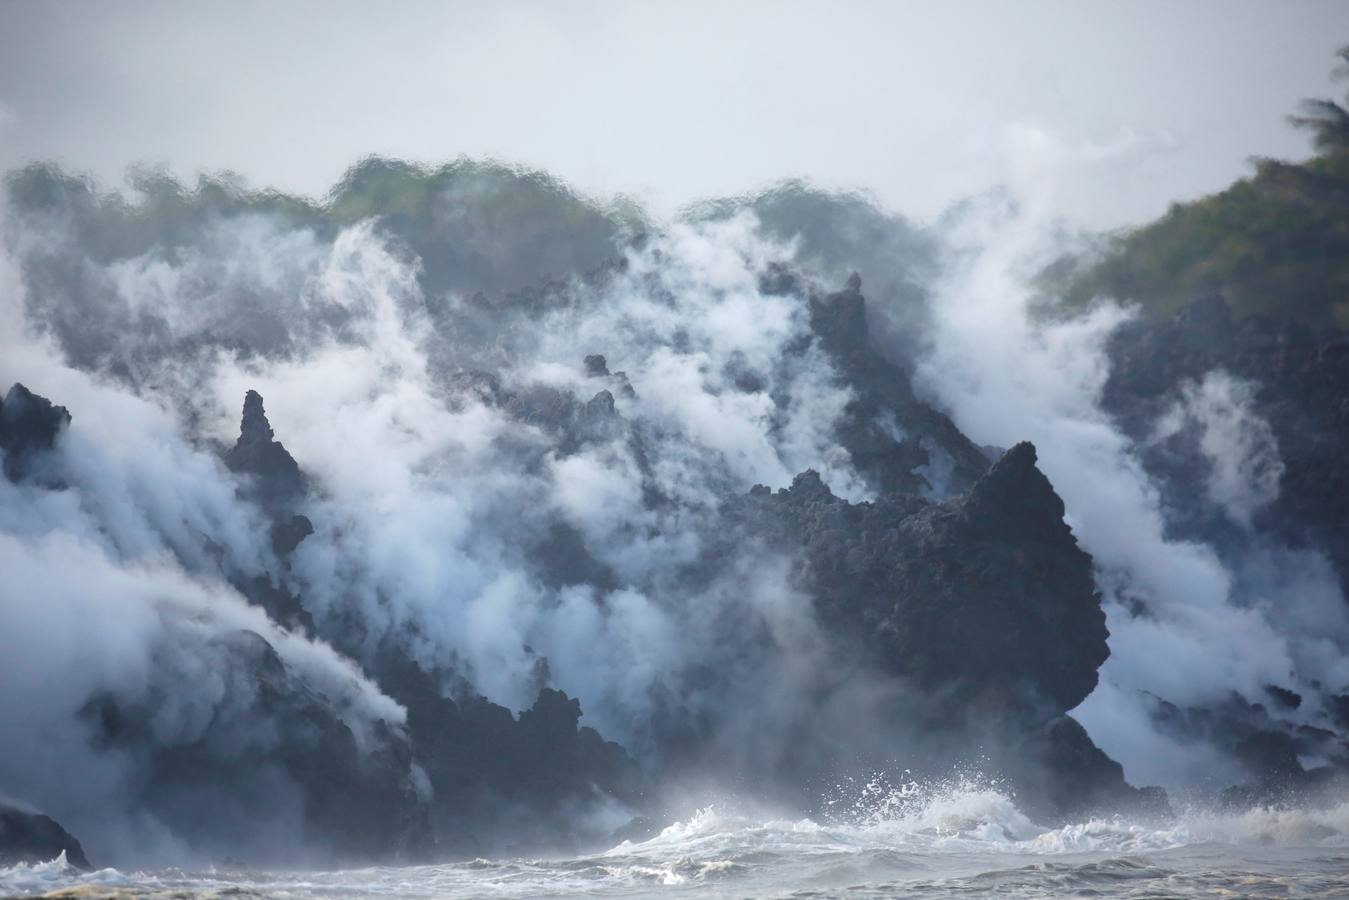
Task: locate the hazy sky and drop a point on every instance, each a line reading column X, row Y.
column 1121, row 107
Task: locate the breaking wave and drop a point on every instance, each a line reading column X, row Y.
column 920, row 838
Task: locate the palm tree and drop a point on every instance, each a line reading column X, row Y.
column 1327, row 120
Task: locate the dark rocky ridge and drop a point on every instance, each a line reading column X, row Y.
column 986, row 595
column 975, row 616
column 271, row 733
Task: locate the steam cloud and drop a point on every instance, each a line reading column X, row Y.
column 428, row 422
column 1188, row 622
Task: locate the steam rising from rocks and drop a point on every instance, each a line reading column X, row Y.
column 523, row 486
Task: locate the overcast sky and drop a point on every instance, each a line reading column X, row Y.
column 1118, row 107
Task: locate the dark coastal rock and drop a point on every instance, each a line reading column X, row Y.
column 987, row 595
column 273, row 733
column 562, row 558
column 29, row 427
column 1060, row 774
column 30, row 837
column 1269, row 748
column 1283, row 697
column 985, row 603
column 500, row 781
column 568, row 421
column 282, row 606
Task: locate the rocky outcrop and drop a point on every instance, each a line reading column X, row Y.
column 501, row 782
column 958, row 610
column 985, row 602
column 987, row 596
column 276, row 476
column 1057, row 771
column 30, row 837
column 29, row 427
column 274, row 735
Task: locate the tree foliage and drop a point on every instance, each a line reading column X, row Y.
column 1274, row 243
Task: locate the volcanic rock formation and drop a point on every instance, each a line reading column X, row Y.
column 30, row 837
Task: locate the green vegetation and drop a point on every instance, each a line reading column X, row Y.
column 475, row 225
column 1274, row 243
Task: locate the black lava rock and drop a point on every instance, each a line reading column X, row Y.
column 30, row 837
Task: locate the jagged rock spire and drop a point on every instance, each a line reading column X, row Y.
column 255, row 428
column 259, row 454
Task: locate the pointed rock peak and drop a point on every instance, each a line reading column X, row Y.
column 258, row 453
column 854, row 284
column 254, row 428
column 1014, row 486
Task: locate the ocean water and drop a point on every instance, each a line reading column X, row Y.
column 966, row 843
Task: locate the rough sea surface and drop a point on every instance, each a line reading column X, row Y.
column 966, row 843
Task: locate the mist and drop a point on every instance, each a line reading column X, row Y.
column 921, row 105
column 741, row 441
